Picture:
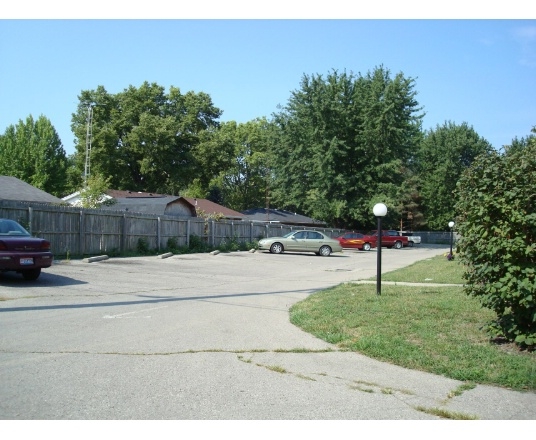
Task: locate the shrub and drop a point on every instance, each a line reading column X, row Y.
column 497, row 226
column 173, row 244
column 142, row 246
column 197, row 244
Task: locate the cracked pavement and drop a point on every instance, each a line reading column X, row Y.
column 207, row 337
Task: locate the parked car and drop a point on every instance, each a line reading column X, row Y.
column 301, row 241
column 391, row 238
column 22, row 253
column 356, row 240
column 412, row 239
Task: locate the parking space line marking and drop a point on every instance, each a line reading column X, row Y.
column 124, row 315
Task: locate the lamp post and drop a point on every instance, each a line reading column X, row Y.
column 451, row 225
column 380, row 210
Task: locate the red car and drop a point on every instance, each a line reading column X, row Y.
column 357, row 240
column 22, row 253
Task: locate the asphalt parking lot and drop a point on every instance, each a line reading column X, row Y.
column 197, row 337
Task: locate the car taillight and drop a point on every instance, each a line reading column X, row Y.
column 45, row 245
column 3, row 246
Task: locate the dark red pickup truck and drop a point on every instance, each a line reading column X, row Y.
column 392, row 239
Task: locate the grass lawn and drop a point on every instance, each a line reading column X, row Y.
column 432, row 270
column 433, row 329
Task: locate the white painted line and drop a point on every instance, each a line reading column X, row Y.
column 124, row 315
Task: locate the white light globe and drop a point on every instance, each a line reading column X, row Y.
column 380, row 210
column 451, row 224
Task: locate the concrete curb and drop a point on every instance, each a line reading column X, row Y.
column 93, row 259
column 403, row 283
column 166, row 255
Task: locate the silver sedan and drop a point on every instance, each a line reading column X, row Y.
column 301, row 241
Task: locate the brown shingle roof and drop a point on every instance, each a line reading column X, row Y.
column 213, row 208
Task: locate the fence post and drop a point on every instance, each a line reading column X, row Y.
column 212, row 232
column 81, row 233
column 188, row 233
column 30, row 220
column 122, row 240
column 158, row 233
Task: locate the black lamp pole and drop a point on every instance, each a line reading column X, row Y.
column 380, row 210
column 379, row 260
column 451, row 225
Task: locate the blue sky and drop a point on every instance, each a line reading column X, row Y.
column 478, row 71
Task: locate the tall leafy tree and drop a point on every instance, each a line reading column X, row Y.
column 244, row 183
column 32, row 151
column 213, row 155
column 142, row 138
column 345, row 143
column 444, row 153
column 233, row 164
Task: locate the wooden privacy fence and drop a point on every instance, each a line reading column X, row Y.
column 77, row 231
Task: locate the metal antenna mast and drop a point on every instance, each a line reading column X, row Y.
column 88, row 142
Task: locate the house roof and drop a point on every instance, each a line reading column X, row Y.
column 281, row 216
column 147, row 205
column 213, row 208
column 12, row 188
column 120, row 194
column 154, row 203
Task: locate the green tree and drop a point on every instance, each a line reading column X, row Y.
column 409, row 205
column 233, row 164
column 32, row 152
column 345, row 144
column 213, row 155
column 443, row 155
column 142, row 138
column 496, row 220
column 93, row 195
column 519, row 144
column 243, row 184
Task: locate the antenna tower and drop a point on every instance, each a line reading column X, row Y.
column 88, row 142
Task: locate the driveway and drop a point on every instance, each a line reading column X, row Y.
column 206, row 337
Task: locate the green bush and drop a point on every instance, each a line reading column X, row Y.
column 497, row 226
column 173, row 244
column 142, row 246
column 197, row 244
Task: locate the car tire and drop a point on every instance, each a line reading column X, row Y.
column 325, row 251
column 398, row 245
column 31, row 274
column 366, row 246
column 276, row 248
column 410, row 243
